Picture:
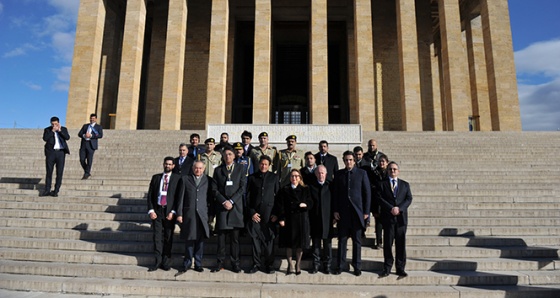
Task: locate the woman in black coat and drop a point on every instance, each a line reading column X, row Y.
column 292, row 203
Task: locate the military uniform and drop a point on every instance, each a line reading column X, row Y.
column 269, row 151
column 289, row 161
column 211, row 161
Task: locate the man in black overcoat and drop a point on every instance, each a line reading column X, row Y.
column 262, row 187
column 231, row 180
column 192, row 214
column 321, row 221
column 352, row 199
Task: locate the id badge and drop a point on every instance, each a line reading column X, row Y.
column 229, row 183
column 163, row 193
column 289, row 165
column 214, row 166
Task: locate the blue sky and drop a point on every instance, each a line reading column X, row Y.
column 37, row 36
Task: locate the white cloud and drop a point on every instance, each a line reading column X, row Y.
column 1, row 7
column 539, row 58
column 20, row 51
column 62, row 82
column 33, row 86
column 63, row 44
column 68, row 8
column 539, row 102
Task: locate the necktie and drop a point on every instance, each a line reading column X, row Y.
column 181, row 161
column 163, row 200
column 394, row 187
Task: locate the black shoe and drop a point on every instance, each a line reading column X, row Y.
column 383, row 274
column 86, row 176
column 53, row 194
column 357, row 272
column 298, row 272
column 402, row 273
column 379, row 246
column 236, row 269
column 154, row 268
column 314, row 270
column 270, row 270
column 181, row 271
column 289, row 272
column 46, row 193
column 198, row 269
column 337, row 272
column 255, row 269
column 217, row 269
column 166, row 267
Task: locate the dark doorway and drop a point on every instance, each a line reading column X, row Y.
column 242, row 97
column 291, row 73
column 338, row 74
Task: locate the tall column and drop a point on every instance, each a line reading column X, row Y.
column 319, row 76
column 502, row 83
column 131, row 65
column 454, row 67
column 173, row 72
column 478, row 74
column 436, row 91
column 217, row 63
column 409, row 66
column 365, row 91
column 84, row 80
column 262, row 62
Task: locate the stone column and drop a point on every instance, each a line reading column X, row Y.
column 454, row 66
column 319, row 62
column 84, row 80
column 365, row 91
column 436, row 91
column 173, row 72
column 409, row 66
column 502, row 83
column 478, row 74
column 217, row 63
column 131, row 65
column 262, row 63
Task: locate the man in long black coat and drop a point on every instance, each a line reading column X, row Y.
column 262, row 187
column 192, row 214
column 231, row 180
column 395, row 198
column 352, row 199
column 163, row 198
column 321, row 221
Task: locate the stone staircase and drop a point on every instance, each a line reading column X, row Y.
column 484, row 222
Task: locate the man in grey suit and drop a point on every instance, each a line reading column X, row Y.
column 89, row 134
column 352, row 196
column 394, row 198
column 231, row 180
column 192, row 214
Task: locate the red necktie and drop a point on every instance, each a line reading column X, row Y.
column 163, row 200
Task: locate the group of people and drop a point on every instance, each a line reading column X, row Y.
column 303, row 199
column 56, row 147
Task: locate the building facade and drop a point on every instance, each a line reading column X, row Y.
column 403, row 65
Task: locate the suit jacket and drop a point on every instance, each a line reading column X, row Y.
column 330, row 162
column 173, row 191
column 186, row 168
column 96, row 133
column 49, row 135
column 352, row 195
column 199, row 150
column 321, row 215
column 387, row 201
column 193, row 206
column 248, row 151
column 307, row 176
column 229, row 219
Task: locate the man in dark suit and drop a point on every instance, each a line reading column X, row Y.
column 231, row 180
column 394, row 197
column 321, row 220
column 183, row 163
column 323, row 157
column 163, row 197
column 371, row 157
column 195, row 149
column 352, row 196
column 55, row 137
column 262, row 187
column 89, row 134
column 192, row 214
column 246, row 137
column 308, row 172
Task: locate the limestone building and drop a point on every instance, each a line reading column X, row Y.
column 411, row 65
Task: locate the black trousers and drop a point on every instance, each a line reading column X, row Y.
column 86, row 157
column 378, row 231
column 352, row 228
column 397, row 233
column 234, row 246
column 54, row 158
column 324, row 255
column 163, row 236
